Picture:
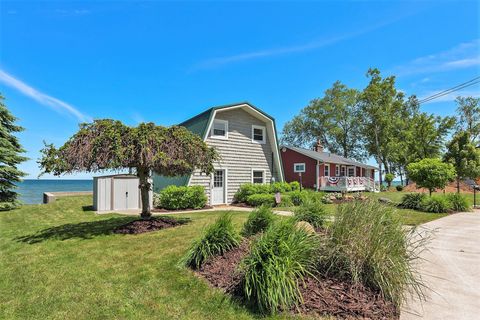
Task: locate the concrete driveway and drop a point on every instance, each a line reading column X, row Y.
column 451, row 270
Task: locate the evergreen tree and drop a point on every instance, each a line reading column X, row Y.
column 10, row 157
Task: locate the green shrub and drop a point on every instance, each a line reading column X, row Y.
column 217, row 239
column 183, row 197
column 295, row 185
column 312, row 212
column 399, row 187
column 412, row 201
column 367, row 244
column 248, row 189
column 435, row 204
column 285, row 201
column 297, row 197
column 458, row 203
column 280, row 187
column 383, row 188
column 258, row 220
column 259, row 199
column 277, row 262
column 326, row 199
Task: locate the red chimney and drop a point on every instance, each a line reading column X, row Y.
column 318, row 146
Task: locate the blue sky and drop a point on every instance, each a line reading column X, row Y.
column 65, row 62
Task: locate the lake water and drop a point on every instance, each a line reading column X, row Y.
column 31, row 191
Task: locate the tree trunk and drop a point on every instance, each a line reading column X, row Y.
column 145, row 187
column 458, row 185
column 380, row 172
column 430, row 191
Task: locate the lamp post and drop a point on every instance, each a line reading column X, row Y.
column 300, row 176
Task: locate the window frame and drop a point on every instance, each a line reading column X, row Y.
column 326, row 167
column 214, row 136
column 354, row 171
column 263, row 176
column 299, row 164
column 337, row 170
column 344, row 168
column 264, row 134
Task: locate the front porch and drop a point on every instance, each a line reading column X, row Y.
column 347, row 184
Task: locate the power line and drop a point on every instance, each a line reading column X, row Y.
column 453, row 89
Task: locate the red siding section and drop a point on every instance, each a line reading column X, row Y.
column 289, row 157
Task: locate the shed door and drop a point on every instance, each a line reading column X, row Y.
column 125, row 194
column 218, row 188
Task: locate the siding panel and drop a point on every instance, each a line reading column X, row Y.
column 239, row 155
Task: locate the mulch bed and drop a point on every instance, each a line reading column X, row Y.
column 154, row 224
column 221, row 271
column 325, row 296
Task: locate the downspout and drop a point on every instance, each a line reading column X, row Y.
column 316, row 176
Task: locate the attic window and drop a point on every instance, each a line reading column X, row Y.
column 258, row 134
column 219, row 129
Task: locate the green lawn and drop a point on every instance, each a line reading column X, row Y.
column 61, row 261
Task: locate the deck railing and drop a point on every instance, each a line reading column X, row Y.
column 348, row 184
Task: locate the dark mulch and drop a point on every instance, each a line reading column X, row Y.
column 188, row 209
column 148, row 225
column 221, row 271
column 327, row 296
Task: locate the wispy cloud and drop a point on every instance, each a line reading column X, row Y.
column 42, row 98
column 462, row 56
column 314, row 44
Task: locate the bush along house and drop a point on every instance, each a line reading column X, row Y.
column 245, row 138
column 326, row 171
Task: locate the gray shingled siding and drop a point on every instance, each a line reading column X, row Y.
column 239, row 155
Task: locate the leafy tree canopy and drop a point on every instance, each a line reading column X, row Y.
column 333, row 119
column 431, row 173
column 464, row 156
column 468, row 110
column 108, row 144
column 10, row 157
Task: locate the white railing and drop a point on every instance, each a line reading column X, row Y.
column 348, row 184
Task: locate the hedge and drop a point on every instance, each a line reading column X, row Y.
column 175, row 198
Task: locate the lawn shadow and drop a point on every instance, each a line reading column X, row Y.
column 81, row 230
column 87, row 208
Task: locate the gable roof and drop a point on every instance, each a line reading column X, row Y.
column 328, row 157
column 200, row 123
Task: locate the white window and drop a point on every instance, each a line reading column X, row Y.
column 351, row 171
column 219, row 129
column 258, row 134
column 342, row 171
column 299, row 167
column 258, row 176
column 337, row 170
column 326, row 171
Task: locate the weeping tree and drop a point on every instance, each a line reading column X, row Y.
column 10, row 157
column 110, row 145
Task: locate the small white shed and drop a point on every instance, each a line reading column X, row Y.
column 117, row 192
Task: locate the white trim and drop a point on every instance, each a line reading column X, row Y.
column 295, row 167
column 213, row 136
column 325, row 166
column 225, row 186
column 263, row 175
column 271, row 128
column 264, row 133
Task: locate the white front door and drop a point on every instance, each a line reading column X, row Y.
column 218, row 187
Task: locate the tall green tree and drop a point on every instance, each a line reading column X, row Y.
column 431, row 173
column 333, row 119
column 464, row 156
column 468, row 110
column 10, row 158
column 382, row 108
column 108, row 144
